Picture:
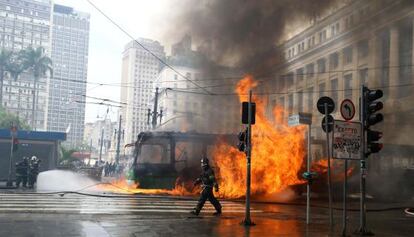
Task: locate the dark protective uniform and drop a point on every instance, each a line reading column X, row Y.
column 207, row 180
column 21, row 173
column 33, row 172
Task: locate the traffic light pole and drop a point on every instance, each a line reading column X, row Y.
column 9, row 180
column 247, row 221
column 329, row 168
column 155, row 111
column 362, row 228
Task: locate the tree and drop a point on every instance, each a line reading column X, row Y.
column 36, row 61
column 9, row 63
column 5, row 57
column 6, row 120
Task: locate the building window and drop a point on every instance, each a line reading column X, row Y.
column 321, row 65
column 363, row 49
column 348, row 86
column 333, row 61
column 290, row 101
column 334, row 90
column 282, row 80
column 322, row 36
column 300, row 101
column 385, row 58
column 363, row 76
column 310, row 70
column 310, row 99
column 348, row 55
column 405, row 55
column 282, row 104
column 290, row 80
column 322, row 89
column 299, row 74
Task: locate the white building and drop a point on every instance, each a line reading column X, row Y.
column 94, row 136
column 139, row 70
column 70, row 40
column 25, row 23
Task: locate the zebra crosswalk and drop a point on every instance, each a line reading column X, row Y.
column 72, row 203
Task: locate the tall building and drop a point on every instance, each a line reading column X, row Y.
column 364, row 42
column 25, row 23
column 139, row 70
column 67, row 88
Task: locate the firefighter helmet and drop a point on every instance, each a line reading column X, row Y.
column 204, row 162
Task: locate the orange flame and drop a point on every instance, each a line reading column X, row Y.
column 123, row 186
column 277, row 154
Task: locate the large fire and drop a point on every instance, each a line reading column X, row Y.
column 277, row 154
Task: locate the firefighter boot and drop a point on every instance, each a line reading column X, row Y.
column 217, row 213
column 195, row 212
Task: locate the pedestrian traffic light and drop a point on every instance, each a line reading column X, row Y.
column 372, row 117
column 242, row 140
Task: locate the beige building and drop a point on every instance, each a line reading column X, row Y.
column 364, row 42
column 139, row 70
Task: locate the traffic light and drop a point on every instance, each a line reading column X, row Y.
column 242, row 140
column 372, row 117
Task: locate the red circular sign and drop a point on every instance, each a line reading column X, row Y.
column 347, row 109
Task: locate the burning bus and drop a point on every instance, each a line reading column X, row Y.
column 161, row 157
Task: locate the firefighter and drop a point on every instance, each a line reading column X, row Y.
column 21, row 172
column 207, row 181
column 33, row 171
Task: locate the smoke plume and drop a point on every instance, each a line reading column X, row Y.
column 243, row 33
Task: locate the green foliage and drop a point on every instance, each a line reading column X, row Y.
column 36, row 61
column 66, row 157
column 7, row 118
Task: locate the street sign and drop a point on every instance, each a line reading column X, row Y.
column 301, row 118
column 330, row 123
column 321, row 104
column 346, row 142
column 347, row 109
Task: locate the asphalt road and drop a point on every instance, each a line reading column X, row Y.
column 35, row 214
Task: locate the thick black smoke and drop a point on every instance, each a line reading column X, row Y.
column 243, row 33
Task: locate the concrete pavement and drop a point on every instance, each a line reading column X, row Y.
column 23, row 214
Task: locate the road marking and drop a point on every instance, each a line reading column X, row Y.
column 35, row 203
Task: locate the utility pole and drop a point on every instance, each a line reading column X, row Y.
column 101, row 145
column 155, row 111
column 102, row 136
column 90, row 153
column 118, row 140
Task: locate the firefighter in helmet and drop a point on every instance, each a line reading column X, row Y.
column 21, row 172
column 207, row 181
column 33, row 170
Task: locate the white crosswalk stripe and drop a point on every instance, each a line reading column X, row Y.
column 74, row 203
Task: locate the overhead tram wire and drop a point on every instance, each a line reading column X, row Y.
column 146, row 49
column 273, row 76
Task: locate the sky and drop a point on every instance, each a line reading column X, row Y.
column 140, row 18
